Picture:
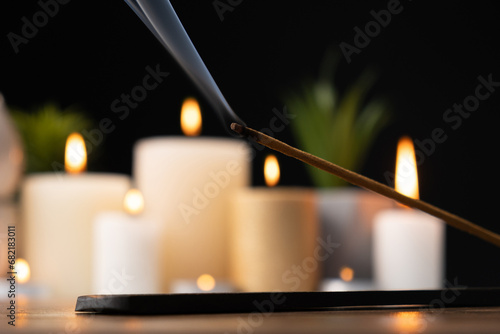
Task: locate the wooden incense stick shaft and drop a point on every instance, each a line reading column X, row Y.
column 367, row 183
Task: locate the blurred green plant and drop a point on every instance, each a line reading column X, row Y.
column 44, row 132
column 336, row 128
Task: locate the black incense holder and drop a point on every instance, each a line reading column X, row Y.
column 269, row 302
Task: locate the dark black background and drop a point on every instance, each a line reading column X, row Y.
column 429, row 57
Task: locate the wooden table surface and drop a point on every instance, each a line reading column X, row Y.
column 59, row 317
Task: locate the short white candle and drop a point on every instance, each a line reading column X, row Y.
column 57, row 213
column 125, row 255
column 17, row 283
column 187, row 184
column 274, row 238
column 408, row 245
column 408, row 250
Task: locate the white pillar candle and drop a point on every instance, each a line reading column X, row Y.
column 274, row 238
column 408, row 250
column 125, row 255
column 187, row 185
column 408, row 245
column 57, row 213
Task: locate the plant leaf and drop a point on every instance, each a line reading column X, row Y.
column 44, row 132
column 337, row 128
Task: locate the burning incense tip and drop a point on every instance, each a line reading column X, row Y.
column 244, row 131
column 367, row 183
column 238, row 128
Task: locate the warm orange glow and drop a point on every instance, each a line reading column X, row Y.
column 191, row 117
column 133, row 325
column 346, row 274
column 406, row 180
column 409, row 322
column 75, row 158
column 205, row 282
column 133, row 202
column 271, row 170
column 22, row 269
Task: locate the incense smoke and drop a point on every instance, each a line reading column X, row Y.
column 159, row 16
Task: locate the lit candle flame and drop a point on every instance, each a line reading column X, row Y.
column 346, row 274
column 205, row 282
column 191, row 117
column 133, row 202
column 75, row 157
column 406, row 180
column 271, row 170
column 22, row 270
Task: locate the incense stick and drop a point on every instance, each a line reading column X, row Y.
column 367, row 183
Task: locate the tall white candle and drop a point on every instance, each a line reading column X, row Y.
column 408, row 245
column 187, row 185
column 57, row 213
column 274, row 238
column 125, row 255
